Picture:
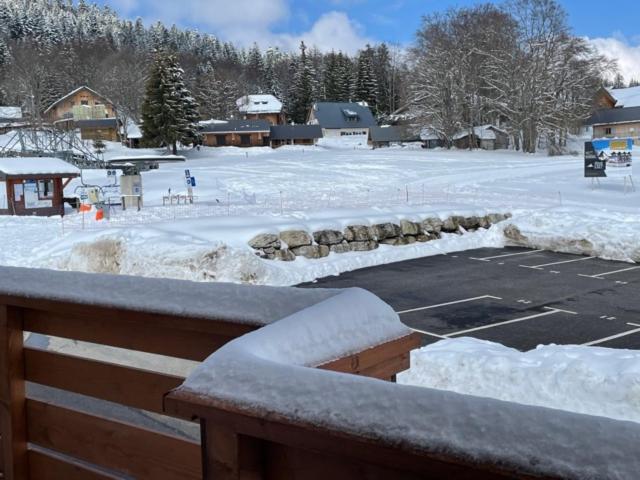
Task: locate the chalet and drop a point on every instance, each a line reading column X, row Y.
column 34, row 186
column 487, row 137
column 261, row 107
column 237, row 133
column 341, row 119
column 617, row 113
column 430, row 138
column 11, row 118
column 616, row 123
column 390, row 135
column 295, row 135
column 86, row 110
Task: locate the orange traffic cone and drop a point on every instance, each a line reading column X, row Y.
column 84, row 208
column 99, row 215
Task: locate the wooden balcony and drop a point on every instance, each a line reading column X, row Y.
column 276, row 409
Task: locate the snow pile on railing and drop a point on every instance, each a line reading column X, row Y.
column 590, row 380
column 264, row 374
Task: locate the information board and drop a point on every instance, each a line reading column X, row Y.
column 609, row 158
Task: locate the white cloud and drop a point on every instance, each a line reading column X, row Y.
column 247, row 21
column 627, row 55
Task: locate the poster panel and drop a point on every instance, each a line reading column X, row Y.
column 617, row 155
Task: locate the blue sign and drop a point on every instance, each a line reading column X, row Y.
column 193, row 181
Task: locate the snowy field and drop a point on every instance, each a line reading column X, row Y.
column 243, row 192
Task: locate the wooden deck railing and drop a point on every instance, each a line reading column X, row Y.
column 45, row 439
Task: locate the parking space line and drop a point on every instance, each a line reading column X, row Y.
column 487, row 259
column 551, row 311
column 537, row 267
column 448, row 303
column 600, row 275
column 612, row 337
column 431, row 334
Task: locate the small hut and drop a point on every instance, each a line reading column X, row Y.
column 34, row 186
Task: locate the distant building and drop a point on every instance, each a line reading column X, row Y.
column 430, row 138
column 261, row 107
column 341, row 119
column 616, row 123
column 487, row 137
column 616, row 114
column 236, row 133
column 390, row 135
column 86, row 110
column 294, row 135
column 34, row 186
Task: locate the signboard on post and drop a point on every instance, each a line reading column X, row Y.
column 609, row 158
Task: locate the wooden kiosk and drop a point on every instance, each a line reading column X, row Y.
column 34, row 185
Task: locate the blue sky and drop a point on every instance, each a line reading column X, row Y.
column 349, row 24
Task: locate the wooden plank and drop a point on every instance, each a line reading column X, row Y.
column 369, row 358
column 116, row 383
column 291, row 433
column 44, row 465
column 126, row 332
column 387, row 369
column 135, row 451
column 13, row 427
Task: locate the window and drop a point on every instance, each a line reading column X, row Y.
column 245, row 140
column 84, row 102
column 607, row 131
column 45, row 189
column 221, row 140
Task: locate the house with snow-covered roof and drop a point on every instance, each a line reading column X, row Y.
column 617, row 113
column 486, row 137
column 261, row 107
column 342, row 119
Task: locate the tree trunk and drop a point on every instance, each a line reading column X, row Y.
column 174, row 148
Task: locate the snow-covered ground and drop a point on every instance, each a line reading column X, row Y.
column 591, row 380
column 243, row 192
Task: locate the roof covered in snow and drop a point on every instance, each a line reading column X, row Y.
column 17, row 166
column 626, row 97
column 483, row 132
column 429, row 133
column 338, row 115
column 13, row 113
column 236, row 126
column 615, row 115
column 254, row 104
column 295, row 132
column 79, row 89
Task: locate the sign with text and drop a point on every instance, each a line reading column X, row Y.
column 608, row 158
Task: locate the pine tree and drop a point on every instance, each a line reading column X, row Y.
column 366, row 86
column 332, row 88
column 634, row 82
column 255, row 70
column 302, row 88
column 618, row 81
column 169, row 112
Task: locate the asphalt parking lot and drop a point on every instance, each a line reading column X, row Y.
column 515, row 296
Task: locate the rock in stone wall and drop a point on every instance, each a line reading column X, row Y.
column 362, row 238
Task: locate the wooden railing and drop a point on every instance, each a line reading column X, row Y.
column 44, row 438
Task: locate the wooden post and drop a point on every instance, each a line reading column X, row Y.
column 227, row 455
column 13, row 419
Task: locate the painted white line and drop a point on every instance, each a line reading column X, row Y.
column 561, row 310
column 612, row 337
column 427, row 333
column 600, row 275
column 552, row 311
column 633, row 324
column 448, row 303
column 558, row 263
column 486, row 259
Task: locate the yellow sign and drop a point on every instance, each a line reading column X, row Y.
column 619, row 145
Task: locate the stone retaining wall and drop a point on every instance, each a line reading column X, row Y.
column 359, row 238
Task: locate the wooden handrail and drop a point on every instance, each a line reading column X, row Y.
column 44, row 439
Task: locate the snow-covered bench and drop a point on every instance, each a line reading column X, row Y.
column 267, row 413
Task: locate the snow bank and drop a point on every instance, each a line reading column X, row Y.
column 608, row 234
column 590, row 380
column 264, row 374
column 216, row 249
